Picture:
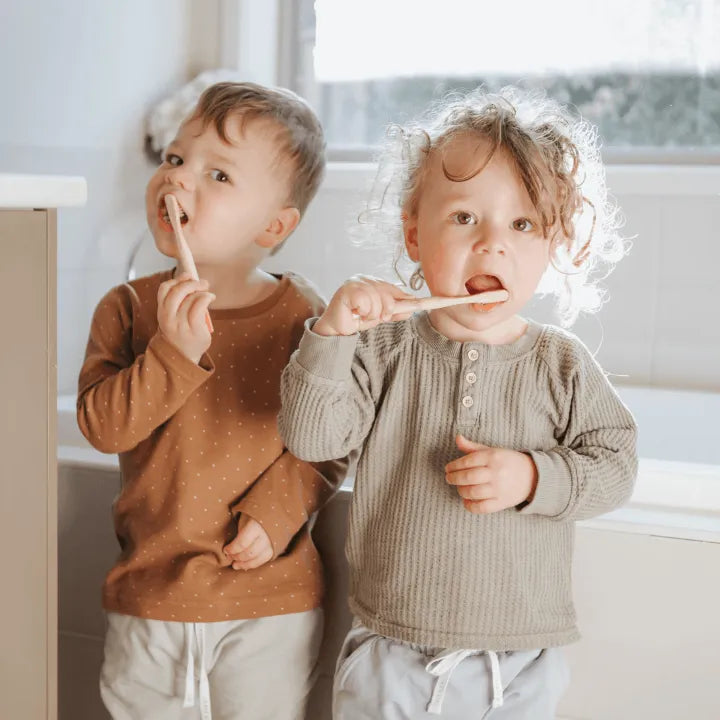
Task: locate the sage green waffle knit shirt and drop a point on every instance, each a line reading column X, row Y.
column 422, row 568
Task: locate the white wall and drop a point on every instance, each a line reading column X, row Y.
column 77, row 78
column 660, row 325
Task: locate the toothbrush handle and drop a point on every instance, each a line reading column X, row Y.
column 187, row 265
column 185, row 258
column 434, row 303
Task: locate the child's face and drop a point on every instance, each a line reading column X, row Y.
column 234, row 194
column 479, row 234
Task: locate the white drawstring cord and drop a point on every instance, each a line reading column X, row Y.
column 442, row 666
column 189, row 700
column 195, row 635
column 497, row 700
column 205, row 709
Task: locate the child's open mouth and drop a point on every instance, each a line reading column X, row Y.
column 484, row 283
column 165, row 218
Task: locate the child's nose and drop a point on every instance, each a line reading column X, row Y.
column 491, row 242
column 181, row 177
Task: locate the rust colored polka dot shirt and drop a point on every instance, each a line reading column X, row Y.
column 199, row 444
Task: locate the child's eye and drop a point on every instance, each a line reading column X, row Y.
column 463, row 218
column 172, row 159
column 219, row 175
column 523, row 225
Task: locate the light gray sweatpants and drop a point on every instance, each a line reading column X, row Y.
column 237, row 670
column 379, row 678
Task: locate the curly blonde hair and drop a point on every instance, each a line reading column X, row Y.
column 557, row 157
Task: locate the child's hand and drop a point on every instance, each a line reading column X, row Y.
column 489, row 479
column 361, row 303
column 251, row 547
column 182, row 305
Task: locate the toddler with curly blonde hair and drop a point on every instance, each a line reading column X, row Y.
column 483, row 435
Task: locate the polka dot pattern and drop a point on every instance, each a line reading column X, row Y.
column 199, row 445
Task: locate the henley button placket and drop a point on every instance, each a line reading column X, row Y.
column 468, row 378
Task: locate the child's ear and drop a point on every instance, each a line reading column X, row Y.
column 410, row 233
column 279, row 228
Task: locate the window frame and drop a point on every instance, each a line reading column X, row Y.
column 633, row 172
column 289, row 49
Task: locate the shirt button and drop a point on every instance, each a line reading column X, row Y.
column 471, row 377
column 473, row 355
column 467, row 401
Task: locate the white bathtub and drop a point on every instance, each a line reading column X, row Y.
column 645, row 577
column 670, row 422
column 678, row 487
column 675, row 425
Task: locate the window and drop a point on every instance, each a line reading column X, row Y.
column 646, row 72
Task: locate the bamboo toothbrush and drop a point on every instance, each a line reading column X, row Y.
column 434, row 303
column 185, row 258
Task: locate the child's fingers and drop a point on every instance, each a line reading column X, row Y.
column 399, row 294
column 396, row 317
column 249, row 531
column 253, row 563
column 358, row 303
column 388, row 305
column 243, row 539
column 363, row 302
column 485, row 491
column 477, row 459
column 163, row 290
column 235, row 546
column 197, row 307
column 251, row 547
column 483, row 507
column 183, row 312
column 168, row 285
column 391, row 294
column 466, row 446
column 470, row 476
column 248, row 550
column 179, row 292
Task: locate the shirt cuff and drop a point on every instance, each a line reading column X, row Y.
column 552, row 492
column 175, row 361
column 329, row 356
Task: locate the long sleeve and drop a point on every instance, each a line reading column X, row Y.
column 329, row 392
column 288, row 493
column 402, row 392
column 197, row 445
column 594, row 466
column 123, row 398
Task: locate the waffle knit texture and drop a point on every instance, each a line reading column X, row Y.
column 422, row 568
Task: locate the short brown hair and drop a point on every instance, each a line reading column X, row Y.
column 302, row 138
